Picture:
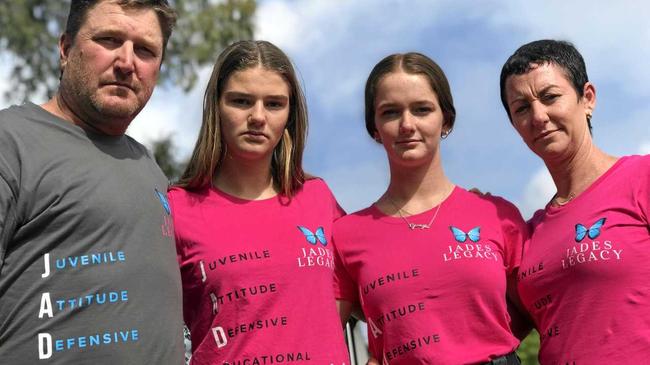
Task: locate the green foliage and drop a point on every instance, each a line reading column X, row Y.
column 29, row 30
column 529, row 348
column 164, row 152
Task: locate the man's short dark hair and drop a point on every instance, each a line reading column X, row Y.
column 80, row 8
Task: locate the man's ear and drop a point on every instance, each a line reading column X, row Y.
column 65, row 44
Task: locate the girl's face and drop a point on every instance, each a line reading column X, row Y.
column 408, row 118
column 254, row 109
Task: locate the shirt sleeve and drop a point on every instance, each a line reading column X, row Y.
column 344, row 286
column 338, row 211
column 8, row 220
column 515, row 234
column 643, row 190
column 177, row 239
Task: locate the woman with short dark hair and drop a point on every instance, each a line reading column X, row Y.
column 584, row 274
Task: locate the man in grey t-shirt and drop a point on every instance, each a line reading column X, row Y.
column 88, row 271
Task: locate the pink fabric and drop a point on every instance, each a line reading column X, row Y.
column 428, row 298
column 255, row 289
column 589, row 292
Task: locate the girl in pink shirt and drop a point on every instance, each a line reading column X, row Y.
column 584, row 276
column 253, row 234
column 429, row 263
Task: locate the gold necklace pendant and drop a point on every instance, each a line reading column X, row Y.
column 414, row 226
column 417, row 226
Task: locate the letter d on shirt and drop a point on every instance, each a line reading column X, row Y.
column 44, row 346
column 220, row 337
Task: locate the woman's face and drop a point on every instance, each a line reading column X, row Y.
column 254, row 109
column 547, row 112
column 408, row 118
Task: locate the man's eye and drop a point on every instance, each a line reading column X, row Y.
column 108, row 40
column 145, row 52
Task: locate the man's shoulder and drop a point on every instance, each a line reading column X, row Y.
column 15, row 113
column 134, row 144
column 24, row 118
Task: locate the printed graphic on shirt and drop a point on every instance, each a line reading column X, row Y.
column 409, row 346
column 591, row 250
column 236, row 294
column 390, row 279
column 530, row 271
column 552, row 331
column 472, row 249
column 473, row 234
column 163, row 201
column 313, row 237
column 317, row 256
column 235, row 258
column 53, row 304
column 592, row 232
column 167, row 225
column 288, row 357
column 543, row 302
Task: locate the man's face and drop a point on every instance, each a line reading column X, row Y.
column 111, row 67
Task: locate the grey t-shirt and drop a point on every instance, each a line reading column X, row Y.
column 88, row 271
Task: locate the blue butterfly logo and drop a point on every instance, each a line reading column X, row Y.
column 592, row 232
column 474, row 234
column 164, row 202
column 312, row 237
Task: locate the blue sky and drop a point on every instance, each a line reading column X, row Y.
column 335, row 44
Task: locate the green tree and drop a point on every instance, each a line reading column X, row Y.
column 164, row 151
column 29, row 30
column 529, row 348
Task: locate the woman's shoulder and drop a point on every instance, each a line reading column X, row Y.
column 636, row 161
column 485, row 199
column 179, row 195
column 314, row 185
column 314, row 182
column 353, row 222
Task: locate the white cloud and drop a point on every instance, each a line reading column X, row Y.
column 613, row 37
column 539, row 190
column 6, row 64
column 644, row 149
column 170, row 111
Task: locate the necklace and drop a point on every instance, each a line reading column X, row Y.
column 556, row 202
column 414, row 226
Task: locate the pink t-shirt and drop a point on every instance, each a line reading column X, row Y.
column 585, row 274
column 258, row 275
column 433, row 296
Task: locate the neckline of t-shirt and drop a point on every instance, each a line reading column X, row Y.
column 237, row 200
column 415, row 218
column 550, row 209
column 97, row 137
